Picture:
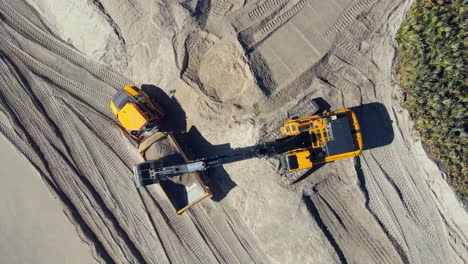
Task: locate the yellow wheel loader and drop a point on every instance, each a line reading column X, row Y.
column 136, row 113
column 141, row 118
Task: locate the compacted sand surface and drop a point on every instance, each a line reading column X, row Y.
column 32, row 225
column 238, row 68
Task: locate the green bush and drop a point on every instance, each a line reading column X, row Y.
column 432, row 58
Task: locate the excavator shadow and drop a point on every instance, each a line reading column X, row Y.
column 376, row 125
column 220, row 181
column 308, row 173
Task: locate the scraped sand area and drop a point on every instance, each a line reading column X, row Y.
column 33, row 228
column 239, row 69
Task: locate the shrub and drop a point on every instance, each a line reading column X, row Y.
column 432, row 58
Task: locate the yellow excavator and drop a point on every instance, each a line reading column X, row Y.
column 333, row 136
column 306, row 142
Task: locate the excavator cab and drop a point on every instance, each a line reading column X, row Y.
column 137, row 114
column 298, row 160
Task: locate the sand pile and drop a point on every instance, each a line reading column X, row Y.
column 238, row 68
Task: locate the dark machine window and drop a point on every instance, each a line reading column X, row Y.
column 121, row 98
column 292, row 162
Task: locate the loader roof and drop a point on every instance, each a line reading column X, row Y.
column 121, row 98
column 131, row 117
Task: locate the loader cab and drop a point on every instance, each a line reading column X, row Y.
column 136, row 113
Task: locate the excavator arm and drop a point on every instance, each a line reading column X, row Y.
column 154, row 171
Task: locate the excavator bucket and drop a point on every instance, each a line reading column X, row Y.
column 183, row 191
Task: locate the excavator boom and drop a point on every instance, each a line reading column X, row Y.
column 153, row 171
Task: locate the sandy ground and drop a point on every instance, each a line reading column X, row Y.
column 32, row 225
column 239, row 68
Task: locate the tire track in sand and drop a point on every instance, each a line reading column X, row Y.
column 46, row 151
column 54, row 160
column 31, row 31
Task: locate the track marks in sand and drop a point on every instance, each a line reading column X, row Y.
column 264, row 8
column 256, row 13
column 185, row 230
column 254, row 34
column 28, row 29
column 50, row 158
column 243, row 233
column 278, row 21
column 101, row 187
column 64, row 128
column 358, row 237
column 395, row 185
column 348, row 17
column 56, row 133
column 397, row 220
column 219, row 246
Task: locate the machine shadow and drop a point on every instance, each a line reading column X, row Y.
column 220, row 182
column 308, row 173
column 376, row 125
column 192, row 142
column 322, row 104
column 175, row 118
column 197, row 147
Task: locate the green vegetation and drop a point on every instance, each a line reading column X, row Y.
column 432, row 56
